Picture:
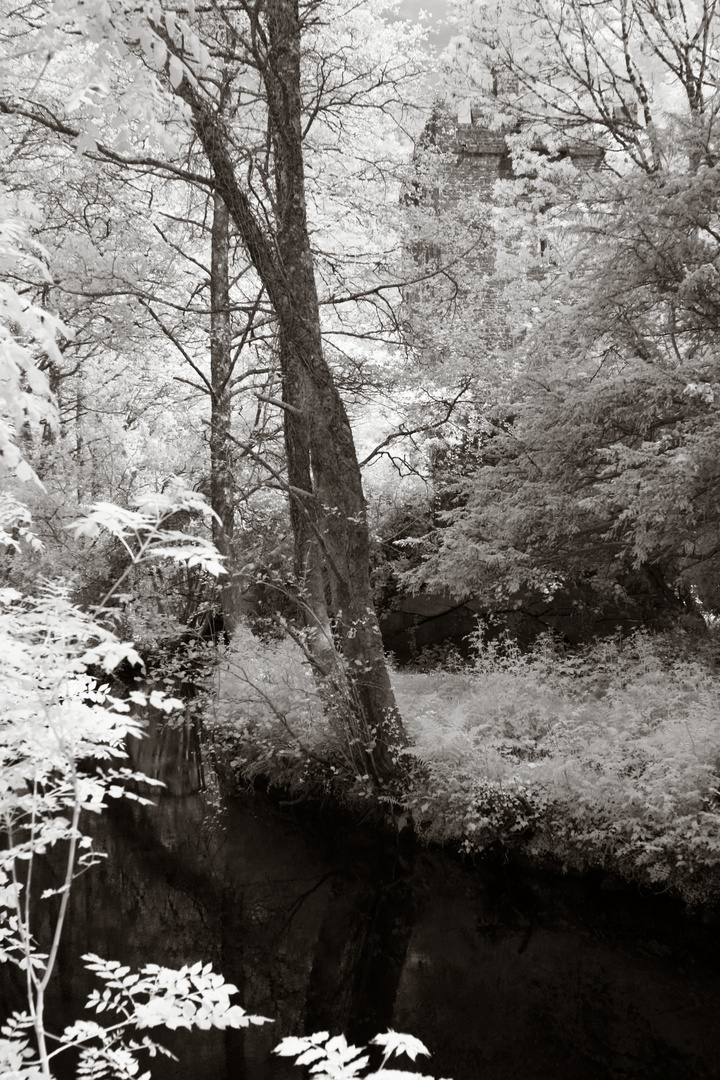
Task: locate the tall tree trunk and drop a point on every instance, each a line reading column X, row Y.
column 329, row 513
column 337, row 510
column 222, row 486
column 329, row 520
column 308, row 543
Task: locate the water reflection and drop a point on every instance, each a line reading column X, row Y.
column 502, row 975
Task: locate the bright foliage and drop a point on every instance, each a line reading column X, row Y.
column 607, row 759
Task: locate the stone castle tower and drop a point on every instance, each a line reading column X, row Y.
column 485, row 155
column 479, row 156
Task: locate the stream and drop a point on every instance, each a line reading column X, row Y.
column 501, row 972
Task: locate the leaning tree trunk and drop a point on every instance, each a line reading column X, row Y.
column 329, row 512
column 337, row 511
column 308, row 543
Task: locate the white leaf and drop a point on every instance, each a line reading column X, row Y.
column 396, row 1043
column 176, row 72
column 159, row 53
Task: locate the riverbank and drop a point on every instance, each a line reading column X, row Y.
column 606, row 761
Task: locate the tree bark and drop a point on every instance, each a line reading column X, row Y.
column 222, row 486
column 328, row 512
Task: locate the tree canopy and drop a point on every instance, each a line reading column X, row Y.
column 252, row 256
column 590, row 457
column 271, row 134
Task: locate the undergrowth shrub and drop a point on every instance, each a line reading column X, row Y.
column 266, row 718
column 607, row 758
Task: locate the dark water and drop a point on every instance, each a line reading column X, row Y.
column 502, row 974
